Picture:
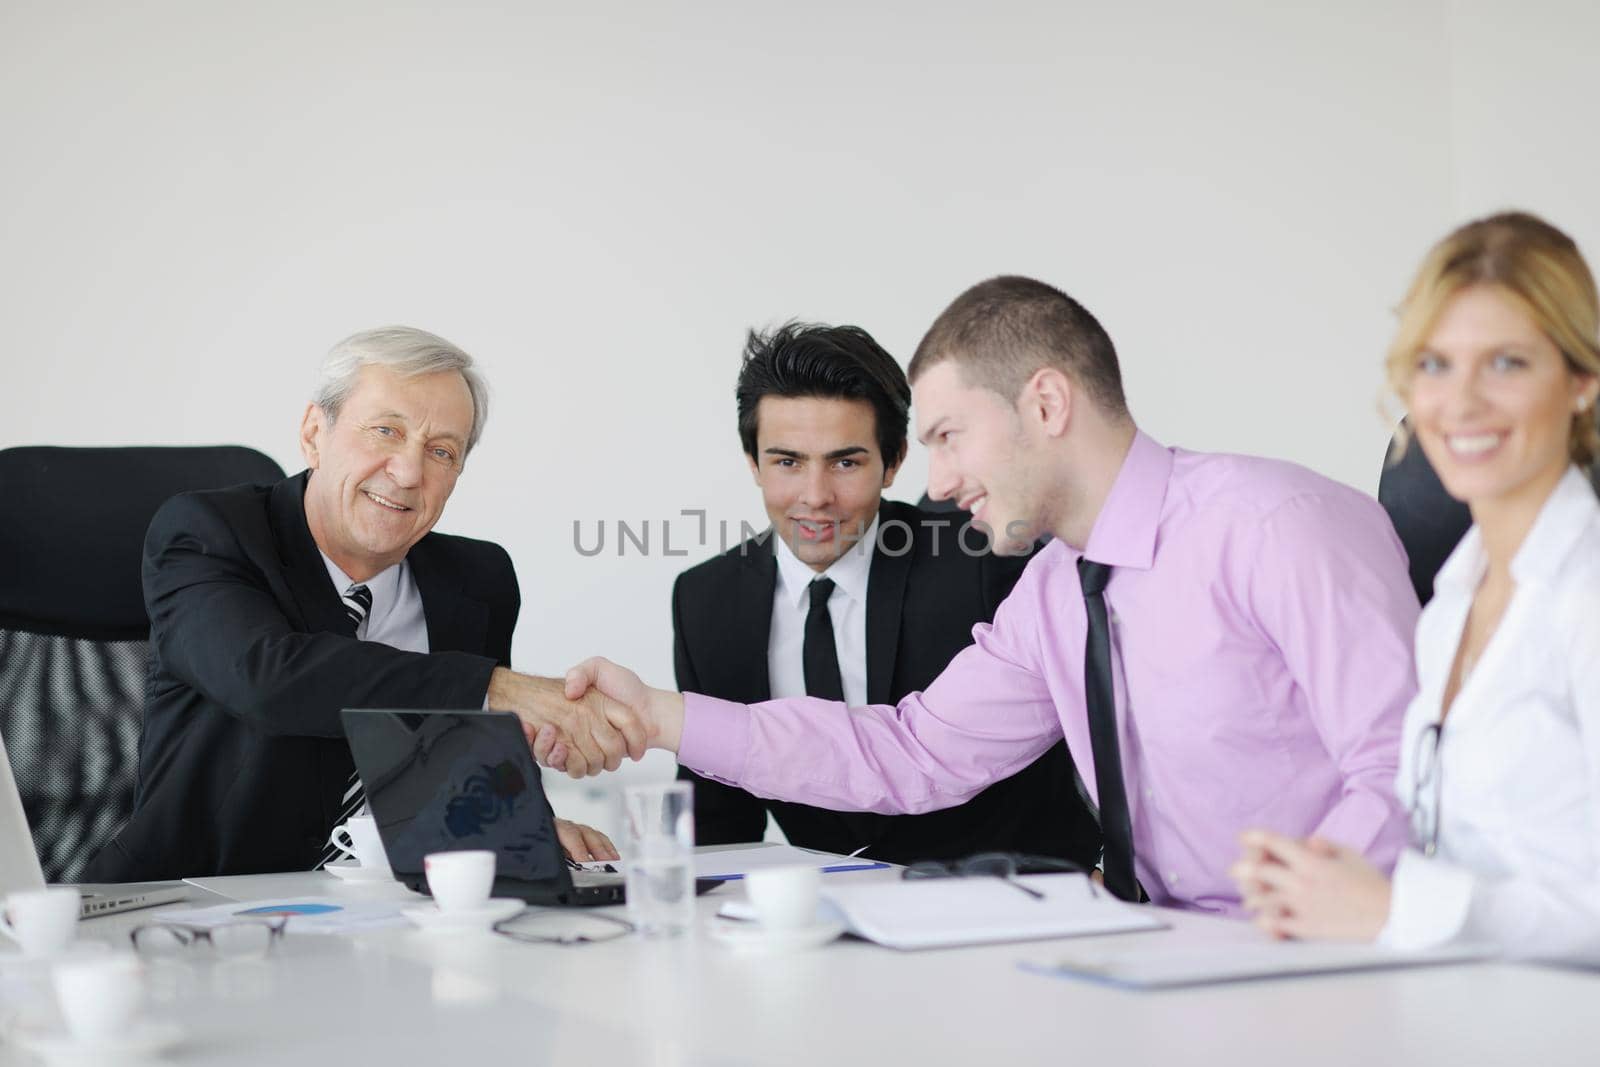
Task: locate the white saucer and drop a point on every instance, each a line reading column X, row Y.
column 752, row 937
column 143, row 1039
column 350, row 871
column 73, row 950
column 429, row 917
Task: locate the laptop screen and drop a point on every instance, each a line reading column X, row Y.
column 19, row 863
column 442, row 781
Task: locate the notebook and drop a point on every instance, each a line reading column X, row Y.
column 946, row 912
column 1174, row 966
column 20, row 870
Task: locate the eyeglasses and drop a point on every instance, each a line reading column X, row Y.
column 241, row 939
column 552, row 926
column 1427, row 773
column 1002, row 865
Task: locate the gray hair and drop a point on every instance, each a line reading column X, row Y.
column 408, row 352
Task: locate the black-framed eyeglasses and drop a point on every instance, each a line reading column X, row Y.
column 1002, row 865
column 562, row 926
column 1427, row 775
column 239, row 939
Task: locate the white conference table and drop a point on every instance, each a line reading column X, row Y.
column 404, row 996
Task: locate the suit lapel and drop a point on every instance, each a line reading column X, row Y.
column 886, row 594
column 751, row 628
column 456, row 622
column 319, row 602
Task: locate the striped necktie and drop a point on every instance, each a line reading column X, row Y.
column 357, row 602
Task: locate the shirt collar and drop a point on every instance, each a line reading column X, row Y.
column 384, row 586
column 849, row 572
column 1570, row 509
column 1463, row 569
column 1124, row 534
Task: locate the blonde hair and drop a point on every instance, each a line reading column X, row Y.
column 1535, row 265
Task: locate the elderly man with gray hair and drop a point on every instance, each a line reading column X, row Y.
column 274, row 606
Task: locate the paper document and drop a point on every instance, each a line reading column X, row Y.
column 297, row 883
column 943, row 912
column 306, row 915
column 731, row 863
column 1169, row 966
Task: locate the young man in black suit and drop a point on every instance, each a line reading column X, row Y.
column 274, row 606
column 851, row 597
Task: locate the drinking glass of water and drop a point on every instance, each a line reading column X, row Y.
column 659, row 823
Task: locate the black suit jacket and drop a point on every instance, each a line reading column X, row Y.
column 242, row 759
column 921, row 607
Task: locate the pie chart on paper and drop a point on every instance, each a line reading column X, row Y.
column 291, row 909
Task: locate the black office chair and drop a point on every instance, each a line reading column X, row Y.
column 1429, row 520
column 73, row 630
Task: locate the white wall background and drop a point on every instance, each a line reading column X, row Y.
column 197, row 199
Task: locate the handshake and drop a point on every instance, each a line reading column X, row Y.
column 589, row 721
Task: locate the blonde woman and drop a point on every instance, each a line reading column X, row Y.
column 1498, row 366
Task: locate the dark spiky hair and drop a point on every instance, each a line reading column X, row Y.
column 800, row 359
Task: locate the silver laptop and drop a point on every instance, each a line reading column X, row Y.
column 19, row 863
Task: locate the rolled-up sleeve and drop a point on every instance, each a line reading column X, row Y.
column 986, row 717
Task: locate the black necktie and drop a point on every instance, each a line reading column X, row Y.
column 1100, row 696
column 357, row 602
column 819, row 656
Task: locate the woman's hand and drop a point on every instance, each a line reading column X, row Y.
column 1311, row 889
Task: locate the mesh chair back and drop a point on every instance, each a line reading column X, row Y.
column 73, row 630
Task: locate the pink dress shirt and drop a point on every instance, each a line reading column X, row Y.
column 1262, row 621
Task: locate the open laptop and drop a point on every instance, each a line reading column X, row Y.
column 19, row 863
column 440, row 781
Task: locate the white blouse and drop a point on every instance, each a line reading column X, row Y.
column 1514, row 787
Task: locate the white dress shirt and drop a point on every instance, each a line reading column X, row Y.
column 847, row 609
column 396, row 617
column 1518, row 860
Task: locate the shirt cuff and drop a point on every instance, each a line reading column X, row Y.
column 1371, row 824
column 1429, row 900
column 716, row 737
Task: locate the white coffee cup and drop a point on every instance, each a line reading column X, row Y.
column 784, row 898
column 459, row 881
column 98, row 995
column 359, row 839
column 41, row 921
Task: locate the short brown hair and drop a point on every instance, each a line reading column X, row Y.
column 1538, row 268
column 1000, row 332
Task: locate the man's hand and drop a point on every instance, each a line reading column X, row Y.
column 589, row 735
column 625, row 699
column 584, row 844
column 1311, row 889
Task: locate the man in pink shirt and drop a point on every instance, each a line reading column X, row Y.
column 1224, row 641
